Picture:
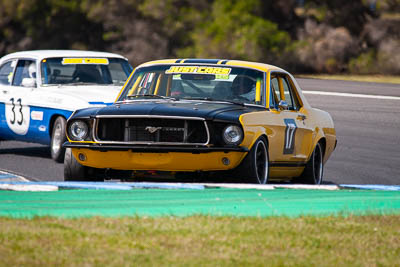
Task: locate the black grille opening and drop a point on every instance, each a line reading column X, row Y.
column 152, row 130
column 111, row 130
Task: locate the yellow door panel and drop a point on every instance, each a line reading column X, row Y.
column 289, row 137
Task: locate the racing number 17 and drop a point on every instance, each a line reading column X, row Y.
column 290, row 134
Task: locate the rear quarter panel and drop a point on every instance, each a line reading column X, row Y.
column 324, row 129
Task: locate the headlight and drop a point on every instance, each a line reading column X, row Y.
column 232, row 135
column 78, row 130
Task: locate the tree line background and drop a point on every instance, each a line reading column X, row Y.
column 303, row 36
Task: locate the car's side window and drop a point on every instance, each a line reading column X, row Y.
column 275, row 94
column 6, row 72
column 287, row 92
column 281, row 86
column 272, row 99
column 290, row 95
column 275, row 86
column 24, row 69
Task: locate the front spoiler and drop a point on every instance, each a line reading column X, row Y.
column 155, row 149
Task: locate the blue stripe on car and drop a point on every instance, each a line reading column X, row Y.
column 99, row 103
column 34, row 133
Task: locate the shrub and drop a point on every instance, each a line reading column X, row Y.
column 325, row 49
column 364, row 63
column 233, row 30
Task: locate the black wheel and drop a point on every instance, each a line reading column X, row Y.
column 73, row 170
column 314, row 169
column 255, row 166
column 58, row 138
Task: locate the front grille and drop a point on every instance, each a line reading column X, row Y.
column 151, row 130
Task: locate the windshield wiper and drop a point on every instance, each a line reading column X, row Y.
column 69, row 84
column 82, row 83
column 150, row 96
column 214, row 99
column 199, row 98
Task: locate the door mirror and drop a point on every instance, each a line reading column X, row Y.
column 28, row 82
column 283, row 105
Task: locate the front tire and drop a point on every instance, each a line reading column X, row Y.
column 255, row 166
column 314, row 169
column 73, row 170
column 58, row 138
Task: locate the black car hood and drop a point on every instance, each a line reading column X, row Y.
column 209, row 110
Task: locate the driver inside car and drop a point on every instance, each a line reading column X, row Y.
column 244, row 87
column 32, row 70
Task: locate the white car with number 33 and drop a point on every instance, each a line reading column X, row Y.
column 40, row 89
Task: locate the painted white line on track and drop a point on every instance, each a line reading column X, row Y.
column 6, row 176
column 239, row 186
column 28, row 187
column 307, row 186
column 384, row 97
column 371, row 187
column 54, row 186
column 268, row 186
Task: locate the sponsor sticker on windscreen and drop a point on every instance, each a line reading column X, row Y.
column 75, row 60
column 198, row 70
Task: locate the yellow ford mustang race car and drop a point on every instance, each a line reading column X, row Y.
column 204, row 115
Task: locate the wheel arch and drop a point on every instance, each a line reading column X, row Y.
column 265, row 137
column 253, row 133
column 52, row 120
column 323, row 132
column 258, row 137
column 322, row 141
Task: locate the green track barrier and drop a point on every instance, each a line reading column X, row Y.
column 215, row 202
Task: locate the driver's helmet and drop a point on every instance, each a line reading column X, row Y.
column 32, row 70
column 177, row 89
column 242, row 84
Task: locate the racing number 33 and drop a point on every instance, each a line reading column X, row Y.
column 17, row 116
column 19, row 107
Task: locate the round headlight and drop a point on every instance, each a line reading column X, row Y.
column 232, row 135
column 79, row 130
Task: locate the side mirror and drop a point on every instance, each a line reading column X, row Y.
column 28, row 82
column 283, row 105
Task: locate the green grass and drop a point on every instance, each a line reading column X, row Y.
column 201, row 241
column 358, row 78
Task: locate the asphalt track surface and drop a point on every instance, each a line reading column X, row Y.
column 367, row 126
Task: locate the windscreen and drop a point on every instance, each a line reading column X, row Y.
column 105, row 71
column 196, row 82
